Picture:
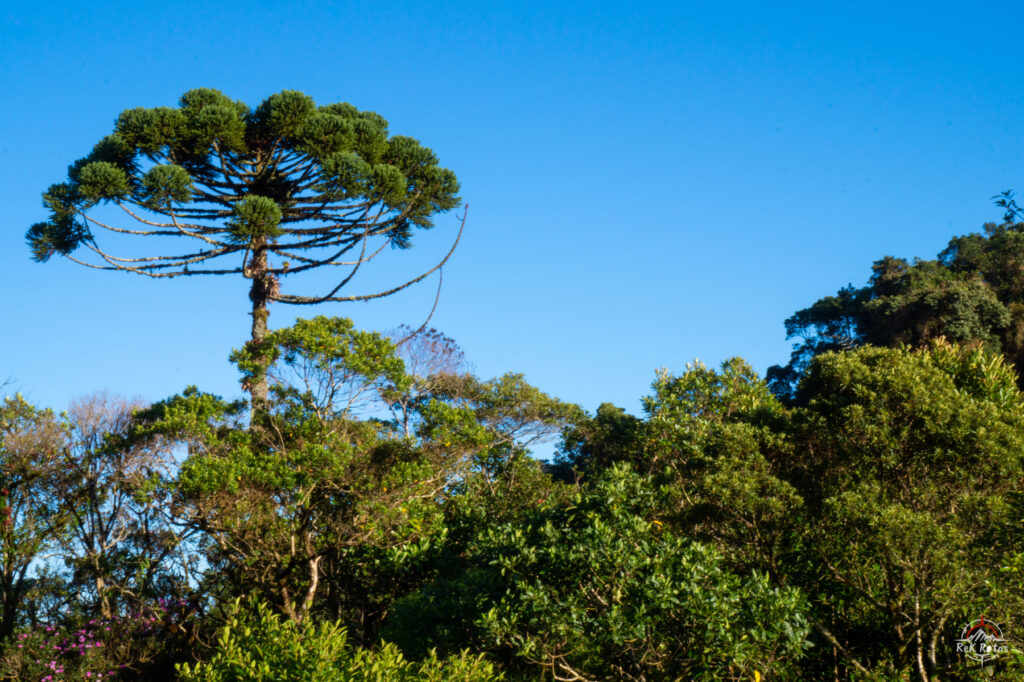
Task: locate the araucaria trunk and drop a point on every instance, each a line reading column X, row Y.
column 259, row 294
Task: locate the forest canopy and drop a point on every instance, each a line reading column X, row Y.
column 372, row 510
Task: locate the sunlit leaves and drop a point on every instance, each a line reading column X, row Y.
column 340, row 361
column 387, row 184
column 324, row 134
column 344, row 175
column 194, row 101
column 150, row 130
column 257, row 644
column 599, row 589
column 906, row 461
column 218, row 125
column 283, row 114
column 101, row 180
column 371, row 137
column 164, row 186
column 254, row 218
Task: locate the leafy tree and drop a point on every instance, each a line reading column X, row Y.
column 276, row 501
column 997, row 256
column 143, row 645
column 594, row 444
column 33, row 513
column 432, row 360
column 121, row 546
column 331, row 509
column 264, row 192
column 903, row 303
column 362, row 583
column 445, row 613
column 908, row 464
column 876, row 497
column 495, row 422
column 709, row 438
column 600, row 589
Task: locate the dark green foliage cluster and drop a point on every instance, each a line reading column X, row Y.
column 972, row 294
column 600, row 588
column 372, row 522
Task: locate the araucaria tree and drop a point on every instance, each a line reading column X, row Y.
column 267, row 192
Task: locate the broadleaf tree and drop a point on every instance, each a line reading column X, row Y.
column 265, row 192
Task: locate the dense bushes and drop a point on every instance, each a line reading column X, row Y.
column 602, row 589
column 257, row 645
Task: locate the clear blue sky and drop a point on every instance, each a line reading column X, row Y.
column 648, row 184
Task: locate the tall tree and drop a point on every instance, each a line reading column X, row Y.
column 876, row 496
column 33, row 515
column 909, row 465
column 264, row 192
column 120, row 545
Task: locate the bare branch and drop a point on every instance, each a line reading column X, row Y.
column 437, row 297
column 311, row 300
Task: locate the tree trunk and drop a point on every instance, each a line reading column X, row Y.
column 8, row 612
column 259, row 294
column 101, row 590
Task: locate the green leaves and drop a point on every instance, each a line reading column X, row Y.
column 165, row 186
column 972, row 294
column 112, row 149
column 194, row 101
column 217, row 125
column 387, row 184
column 150, row 130
column 371, row 137
column 283, row 114
column 599, row 589
column 877, row 491
column 254, row 218
column 330, row 348
column 906, row 461
column 34, row 509
column 408, row 155
column 101, row 180
column 59, row 236
column 324, row 134
column 319, row 472
column 344, row 175
column 258, row 645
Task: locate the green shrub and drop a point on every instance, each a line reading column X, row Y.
column 257, row 644
column 602, row 589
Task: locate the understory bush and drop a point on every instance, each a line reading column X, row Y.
column 257, row 644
